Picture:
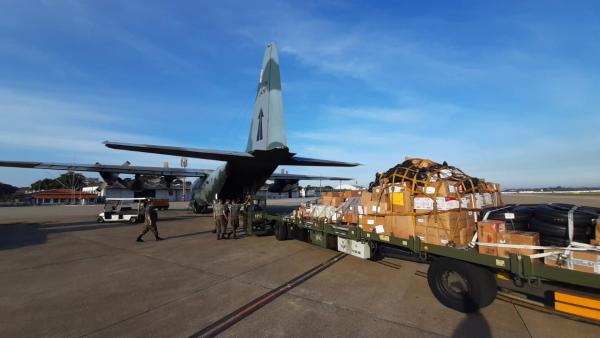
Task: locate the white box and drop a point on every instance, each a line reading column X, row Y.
column 344, row 245
column 359, row 249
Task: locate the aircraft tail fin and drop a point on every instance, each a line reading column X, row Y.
column 267, row 130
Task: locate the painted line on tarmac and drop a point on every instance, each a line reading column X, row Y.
column 246, row 310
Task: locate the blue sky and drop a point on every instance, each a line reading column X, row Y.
column 507, row 91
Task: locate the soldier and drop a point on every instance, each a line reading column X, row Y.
column 151, row 216
column 234, row 217
column 220, row 219
column 226, row 227
column 214, row 207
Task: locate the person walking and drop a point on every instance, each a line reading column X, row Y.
column 151, row 216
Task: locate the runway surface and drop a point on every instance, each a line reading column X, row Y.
column 63, row 275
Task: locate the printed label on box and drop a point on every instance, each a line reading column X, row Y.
column 430, row 190
column 423, row 203
column 509, row 215
column 379, row 229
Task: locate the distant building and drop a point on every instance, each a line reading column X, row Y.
column 159, row 191
column 62, row 196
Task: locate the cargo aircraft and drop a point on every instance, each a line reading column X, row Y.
column 243, row 173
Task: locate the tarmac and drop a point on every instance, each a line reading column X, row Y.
column 64, row 275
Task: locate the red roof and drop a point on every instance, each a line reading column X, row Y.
column 63, row 194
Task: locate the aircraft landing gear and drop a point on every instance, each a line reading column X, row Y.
column 199, row 209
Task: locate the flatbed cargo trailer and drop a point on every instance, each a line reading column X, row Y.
column 460, row 278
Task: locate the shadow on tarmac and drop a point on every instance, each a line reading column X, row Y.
column 473, row 325
column 16, row 235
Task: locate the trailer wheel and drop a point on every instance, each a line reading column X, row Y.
column 281, row 231
column 461, row 286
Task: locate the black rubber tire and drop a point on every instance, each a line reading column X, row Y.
column 554, row 241
column 561, row 231
column 522, row 213
column 559, row 214
column 281, row 231
column 197, row 209
column 133, row 220
column 479, row 284
column 512, row 225
column 100, row 220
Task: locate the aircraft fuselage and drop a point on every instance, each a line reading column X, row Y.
column 237, row 179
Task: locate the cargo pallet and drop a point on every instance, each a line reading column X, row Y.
column 460, row 278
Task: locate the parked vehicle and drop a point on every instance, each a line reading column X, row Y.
column 122, row 210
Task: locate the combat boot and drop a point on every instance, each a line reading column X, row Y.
column 139, row 239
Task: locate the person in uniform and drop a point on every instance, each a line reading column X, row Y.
column 220, row 219
column 227, row 227
column 214, row 208
column 234, row 217
column 151, row 216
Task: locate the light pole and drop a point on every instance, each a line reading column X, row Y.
column 184, row 164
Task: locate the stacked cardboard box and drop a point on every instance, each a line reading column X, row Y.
column 585, row 261
column 451, row 227
column 393, row 210
column 435, row 202
column 493, row 231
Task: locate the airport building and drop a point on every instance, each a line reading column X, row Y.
column 61, row 196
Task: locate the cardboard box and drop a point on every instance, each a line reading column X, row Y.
column 597, row 237
column 490, row 231
column 440, row 203
column 376, row 194
column 584, row 261
column 401, row 226
column 443, row 188
column 521, row 238
column 398, row 198
column 375, row 208
column 439, row 236
column 452, row 227
column 372, row 223
column 350, row 217
column 365, row 197
column 446, row 220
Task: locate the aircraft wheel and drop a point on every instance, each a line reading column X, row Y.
column 461, row 286
column 281, row 231
column 197, row 208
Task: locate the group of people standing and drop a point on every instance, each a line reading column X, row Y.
column 227, row 218
column 226, row 215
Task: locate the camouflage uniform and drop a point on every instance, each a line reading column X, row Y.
column 234, row 217
column 151, row 215
column 220, row 220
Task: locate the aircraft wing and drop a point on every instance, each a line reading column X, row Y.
column 218, row 155
column 120, row 169
column 306, row 177
column 304, row 161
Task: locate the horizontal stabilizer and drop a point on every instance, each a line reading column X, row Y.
column 118, row 169
column 217, row 155
column 303, row 161
column 307, row 177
